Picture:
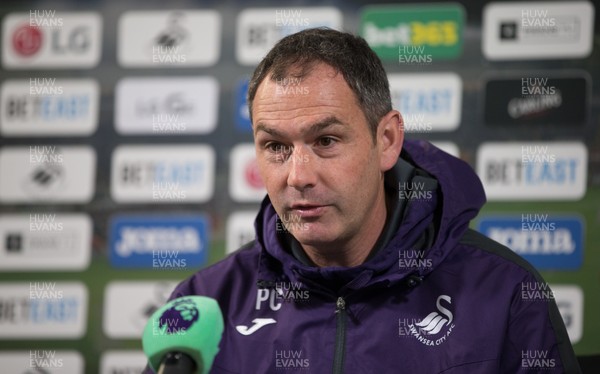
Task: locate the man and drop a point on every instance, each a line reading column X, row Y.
column 363, row 261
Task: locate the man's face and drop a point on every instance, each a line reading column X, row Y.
column 321, row 168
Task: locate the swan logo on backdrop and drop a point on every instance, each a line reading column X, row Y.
column 162, row 243
column 182, row 38
column 538, row 99
column 47, row 174
column 180, row 173
column 129, row 304
column 49, row 107
column 548, row 242
column 569, row 300
column 43, row 310
column 50, row 39
column 428, row 102
column 414, row 35
column 123, row 362
column 166, row 106
column 533, row 170
column 259, row 29
column 537, row 30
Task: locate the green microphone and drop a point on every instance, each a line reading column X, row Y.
column 183, row 335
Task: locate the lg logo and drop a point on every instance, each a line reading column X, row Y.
column 28, row 40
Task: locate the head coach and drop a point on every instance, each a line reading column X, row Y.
column 363, row 260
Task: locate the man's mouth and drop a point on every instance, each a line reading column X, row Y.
column 308, row 210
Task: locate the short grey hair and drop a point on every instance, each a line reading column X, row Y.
column 346, row 53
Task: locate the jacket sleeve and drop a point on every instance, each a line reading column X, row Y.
column 536, row 340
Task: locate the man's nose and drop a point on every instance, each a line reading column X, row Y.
column 302, row 173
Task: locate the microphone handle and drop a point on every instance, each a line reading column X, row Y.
column 177, row 363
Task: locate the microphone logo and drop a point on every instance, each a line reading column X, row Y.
column 178, row 318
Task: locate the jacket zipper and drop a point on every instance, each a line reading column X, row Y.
column 340, row 335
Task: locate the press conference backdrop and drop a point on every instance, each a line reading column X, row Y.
column 126, row 157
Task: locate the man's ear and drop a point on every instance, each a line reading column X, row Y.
column 390, row 136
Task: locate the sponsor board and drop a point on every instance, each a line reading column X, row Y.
column 47, row 174
column 43, row 310
column 533, row 170
column 128, row 305
column 245, row 182
column 159, row 242
column 166, row 106
column 537, row 30
column 537, row 99
column 414, row 34
column 45, row 241
column 428, row 102
column 182, row 173
column 569, row 299
column 51, row 39
column 242, row 112
column 49, row 107
column 448, row 147
column 162, row 38
column 240, row 230
column 259, row 29
column 42, row 361
column 123, row 362
column 548, row 242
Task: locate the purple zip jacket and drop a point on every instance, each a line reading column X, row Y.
column 433, row 297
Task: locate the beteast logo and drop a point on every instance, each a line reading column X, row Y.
column 258, row 323
column 428, row 102
column 434, row 323
column 258, row 29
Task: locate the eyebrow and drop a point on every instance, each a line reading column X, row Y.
column 312, row 129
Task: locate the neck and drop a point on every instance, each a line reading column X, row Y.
column 355, row 250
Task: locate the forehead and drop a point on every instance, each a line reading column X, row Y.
column 321, row 89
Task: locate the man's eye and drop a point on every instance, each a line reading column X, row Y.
column 278, row 148
column 326, row 141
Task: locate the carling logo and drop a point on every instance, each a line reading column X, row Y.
column 181, row 173
column 428, row 102
column 533, row 171
column 58, row 41
column 540, row 99
column 160, row 242
column 435, row 328
column 548, row 242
